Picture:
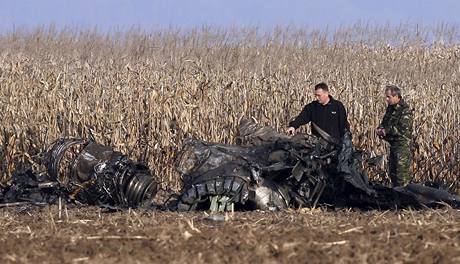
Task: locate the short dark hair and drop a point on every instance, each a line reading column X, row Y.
column 323, row 86
column 395, row 90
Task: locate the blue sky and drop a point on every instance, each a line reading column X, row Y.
column 266, row 14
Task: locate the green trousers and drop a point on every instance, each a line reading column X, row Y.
column 400, row 163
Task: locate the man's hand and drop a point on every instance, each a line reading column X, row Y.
column 381, row 132
column 290, row 131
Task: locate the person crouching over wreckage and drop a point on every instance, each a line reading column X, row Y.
column 396, row 129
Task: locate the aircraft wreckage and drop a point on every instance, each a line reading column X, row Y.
column 265, row 170
column 83, row 172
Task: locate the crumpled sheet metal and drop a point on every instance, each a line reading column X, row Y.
column 62, row 151
column 88, row 173
column 97, row 174
column 266, row 170
column 278, row 171
column 264, row 164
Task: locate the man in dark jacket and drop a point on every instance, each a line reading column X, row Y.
column 396, row 129
column 326, row 112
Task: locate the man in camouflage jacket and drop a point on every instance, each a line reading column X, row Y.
column 396, row 129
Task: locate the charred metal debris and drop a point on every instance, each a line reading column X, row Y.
column 264, row 170
column 271, row 171
column 83, row 172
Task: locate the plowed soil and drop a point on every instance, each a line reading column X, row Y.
column 93, row 235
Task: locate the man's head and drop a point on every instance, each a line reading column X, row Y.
column 393, row 94
column 322, row 93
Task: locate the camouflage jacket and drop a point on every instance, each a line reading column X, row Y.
column 398, row 122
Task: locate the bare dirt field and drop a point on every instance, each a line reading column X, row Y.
column 93, row 235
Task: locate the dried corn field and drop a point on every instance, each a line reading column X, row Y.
column 144, row 92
